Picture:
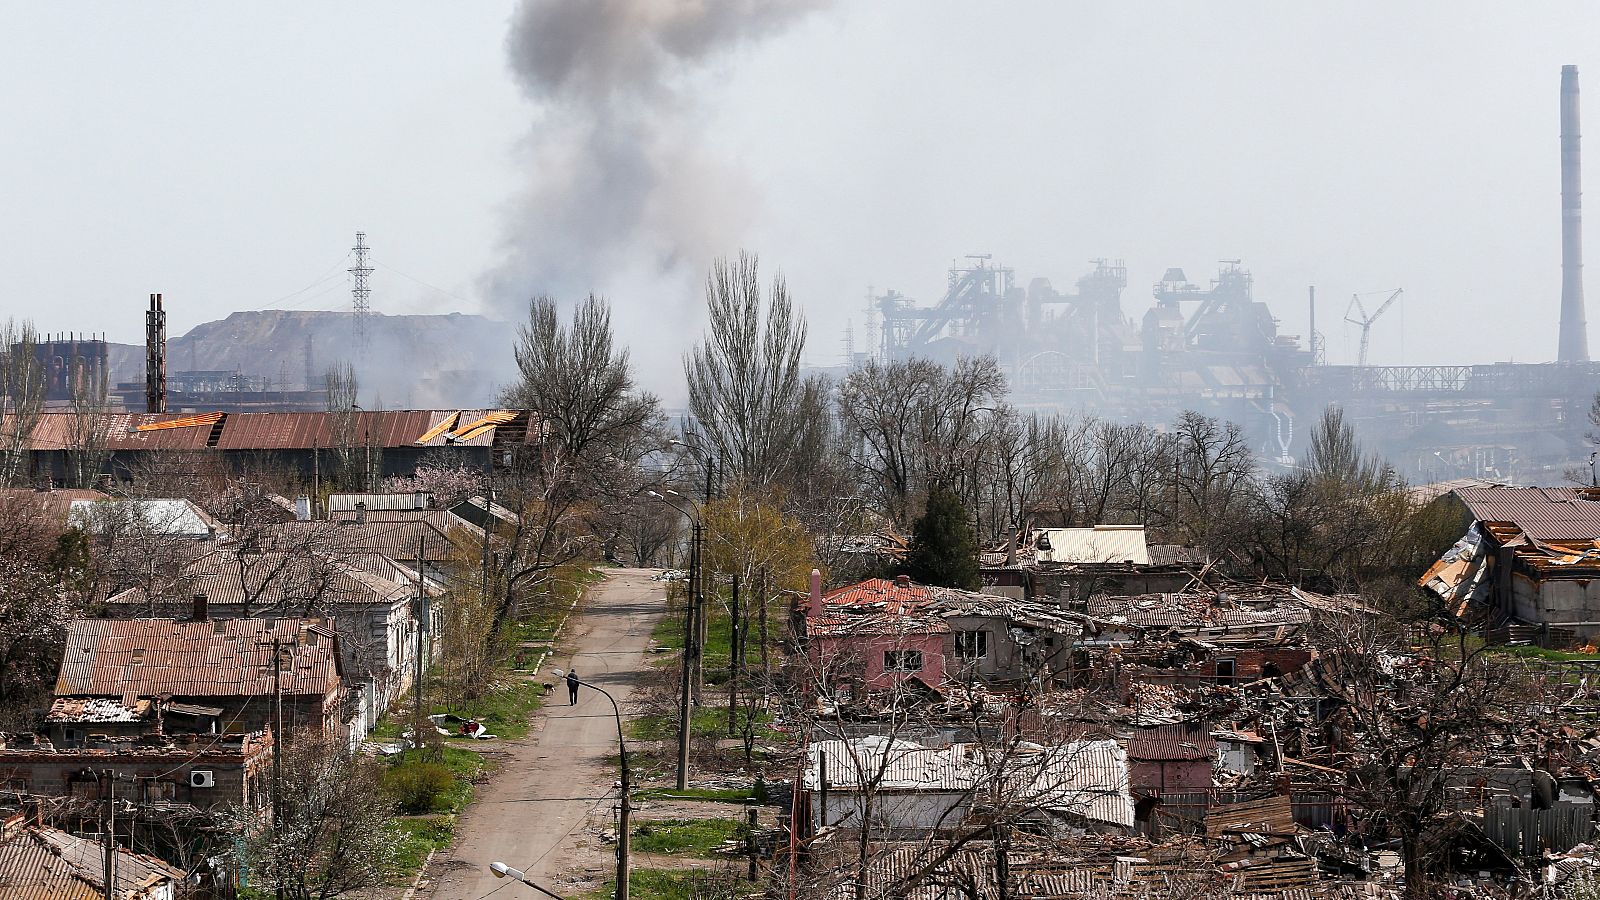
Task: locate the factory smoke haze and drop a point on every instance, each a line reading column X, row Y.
column 625, row 194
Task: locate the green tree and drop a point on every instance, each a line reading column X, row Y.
column 943, row 550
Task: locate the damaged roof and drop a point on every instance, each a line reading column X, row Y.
column 1542, row 513
column 41, row 863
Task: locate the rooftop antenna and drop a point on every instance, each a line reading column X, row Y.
column 360, row 293
column 1365, row 321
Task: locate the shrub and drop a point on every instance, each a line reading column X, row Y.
column 418, row 787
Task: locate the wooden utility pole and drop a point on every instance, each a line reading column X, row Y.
column 277, row 741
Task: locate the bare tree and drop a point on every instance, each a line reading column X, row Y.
column 87, row 452
column 746, row 392
column 1415, row 705
column 21, row 397
column 334, row 833
column 909, row 424
column 1213, row 467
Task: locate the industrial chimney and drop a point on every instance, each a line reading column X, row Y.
column 1574, row 340
column 155, row 357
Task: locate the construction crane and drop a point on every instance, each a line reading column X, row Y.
column 1365, row 321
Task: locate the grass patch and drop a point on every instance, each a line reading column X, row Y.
column 714, row 795
column 419, row 836
column 676, row 884
column 1532, row 652
column 694, row 837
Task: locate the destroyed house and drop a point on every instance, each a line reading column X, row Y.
column 912, row 789
column 1068, row 565
column 160, row 676
column 877, row 633
column 899, row 628
column 1530, row 556
column 206, row 771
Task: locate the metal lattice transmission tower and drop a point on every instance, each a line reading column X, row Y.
column 360, row 293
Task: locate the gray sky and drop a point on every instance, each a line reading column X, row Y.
column 224, row 156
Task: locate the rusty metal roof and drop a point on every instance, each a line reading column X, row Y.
column 135, row 658
column 42, row 863
column 389, row 429
column 1172, row 742
column 1542, row 513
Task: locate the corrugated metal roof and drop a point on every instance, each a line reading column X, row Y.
column 1087, row 778
column 1100, row 544
column 1172, row 742
column 136, row 658
column 390, row 429
column 172, row 518
column 1542, row 513
column 410, row 500
column 48, row 864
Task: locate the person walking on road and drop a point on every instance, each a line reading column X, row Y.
column 572, row 688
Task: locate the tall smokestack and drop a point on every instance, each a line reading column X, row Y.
column 155, row 357
column 1574, row 341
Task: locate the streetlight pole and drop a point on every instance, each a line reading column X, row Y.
column 690, row 641
column 625, row 811
column 501, row 870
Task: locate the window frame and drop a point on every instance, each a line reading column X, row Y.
column 979, row 636
column 895, row 661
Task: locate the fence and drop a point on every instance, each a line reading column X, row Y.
column 1529, row 832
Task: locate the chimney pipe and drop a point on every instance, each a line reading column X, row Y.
column 200, row 610
column 1574, row 338
column 814, row 603
column 361, row 512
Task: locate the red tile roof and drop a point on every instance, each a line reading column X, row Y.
column 878, row 606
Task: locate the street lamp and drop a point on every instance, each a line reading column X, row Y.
column 501, row 870
column 366, row 452
column 691, row 644
column 625, row 812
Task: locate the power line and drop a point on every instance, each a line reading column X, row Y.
column 431, row 287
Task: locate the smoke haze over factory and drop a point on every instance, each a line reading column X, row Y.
column 1358, row 148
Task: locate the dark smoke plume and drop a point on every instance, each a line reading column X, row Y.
column 622, row 179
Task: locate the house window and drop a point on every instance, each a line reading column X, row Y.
column 902, row 660
column 972, row 644
column 1225, row 670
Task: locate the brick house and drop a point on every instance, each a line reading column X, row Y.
column 160, row 676
column 876, row 634
column 203, row 771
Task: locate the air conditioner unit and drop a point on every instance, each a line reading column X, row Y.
column 201, row 778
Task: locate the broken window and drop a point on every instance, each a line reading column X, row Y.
column 902, row 660
column 972, row 644
column 1225, row 670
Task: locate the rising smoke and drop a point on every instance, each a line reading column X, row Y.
column 624, row 189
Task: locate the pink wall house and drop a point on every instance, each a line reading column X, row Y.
column 877, row 633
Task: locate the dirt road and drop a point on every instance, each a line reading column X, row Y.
column 555, row 789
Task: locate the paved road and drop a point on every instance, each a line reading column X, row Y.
column 537, row 812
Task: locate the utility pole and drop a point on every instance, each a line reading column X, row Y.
column 689, row 641
column 277, row 740
column 109, row 843
column 420, row 614
column 702, row 633
column 733, row 657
